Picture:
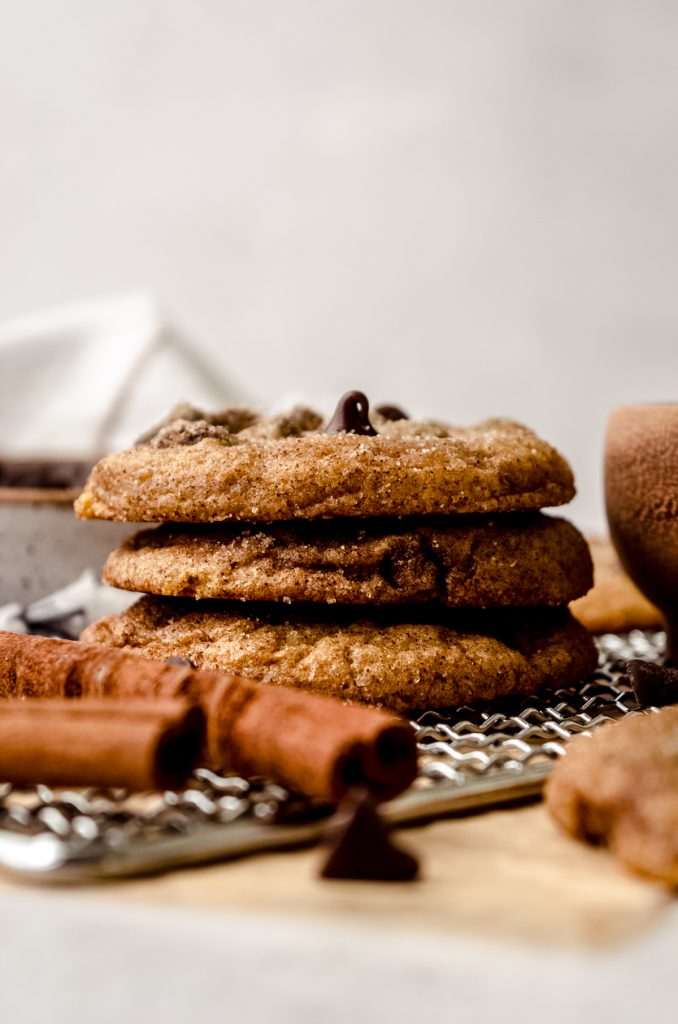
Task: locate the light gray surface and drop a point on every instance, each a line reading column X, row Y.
column 469, row 207
column 75, row 959
column 44, row 547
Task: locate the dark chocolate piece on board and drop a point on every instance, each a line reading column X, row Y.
column 362, row 850
column 351, row 416
column 654, row 685
column 393, row 413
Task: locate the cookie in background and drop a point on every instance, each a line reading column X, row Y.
column 614, row 604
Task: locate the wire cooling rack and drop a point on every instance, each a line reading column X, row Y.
column 469, row 757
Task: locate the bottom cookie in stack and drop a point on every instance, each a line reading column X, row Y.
column 405, row 659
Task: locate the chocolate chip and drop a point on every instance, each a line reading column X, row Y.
column 182, row 411
column 179, row 660
column 653, row 685
column 184, row 432
column 363, row 849
column 393, row 413
column 351, row 416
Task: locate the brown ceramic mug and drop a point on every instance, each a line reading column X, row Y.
column 641, row 494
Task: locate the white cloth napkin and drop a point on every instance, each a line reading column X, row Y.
column 89, row 377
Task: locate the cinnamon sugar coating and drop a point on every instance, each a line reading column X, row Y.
column 236, row 465
column 398, row 660
column 457, row 561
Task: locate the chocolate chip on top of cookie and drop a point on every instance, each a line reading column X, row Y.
column 351, row 416
column 231, row 420
column 187, row 432
column 239, row 465
column 391, row 413
column 186, row 425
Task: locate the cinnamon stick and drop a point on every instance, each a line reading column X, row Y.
column 134, row 744
column 309, row 743
column 313, row 743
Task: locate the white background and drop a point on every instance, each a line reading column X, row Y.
column 467, row 207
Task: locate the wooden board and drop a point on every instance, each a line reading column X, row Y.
column 505, row 873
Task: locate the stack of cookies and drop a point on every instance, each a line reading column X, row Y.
column 374, row 558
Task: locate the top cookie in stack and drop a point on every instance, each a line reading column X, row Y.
column 418, row 565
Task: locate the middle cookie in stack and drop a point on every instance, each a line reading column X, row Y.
column 390, row 601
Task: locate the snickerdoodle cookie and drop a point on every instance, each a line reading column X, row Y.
column 399, row 659
column 239, row 465
column 457, row 561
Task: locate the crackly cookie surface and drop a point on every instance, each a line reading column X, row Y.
column 619, row 787
column 394, row 659
column 614, row 604
column 457, row 561
column 242, row 466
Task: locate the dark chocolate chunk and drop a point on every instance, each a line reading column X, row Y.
column 362, row 850
column 179, row 660
column 653, row 685
column 351, row 416
column 393, row 413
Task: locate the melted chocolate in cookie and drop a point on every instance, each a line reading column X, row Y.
column 351, row 416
